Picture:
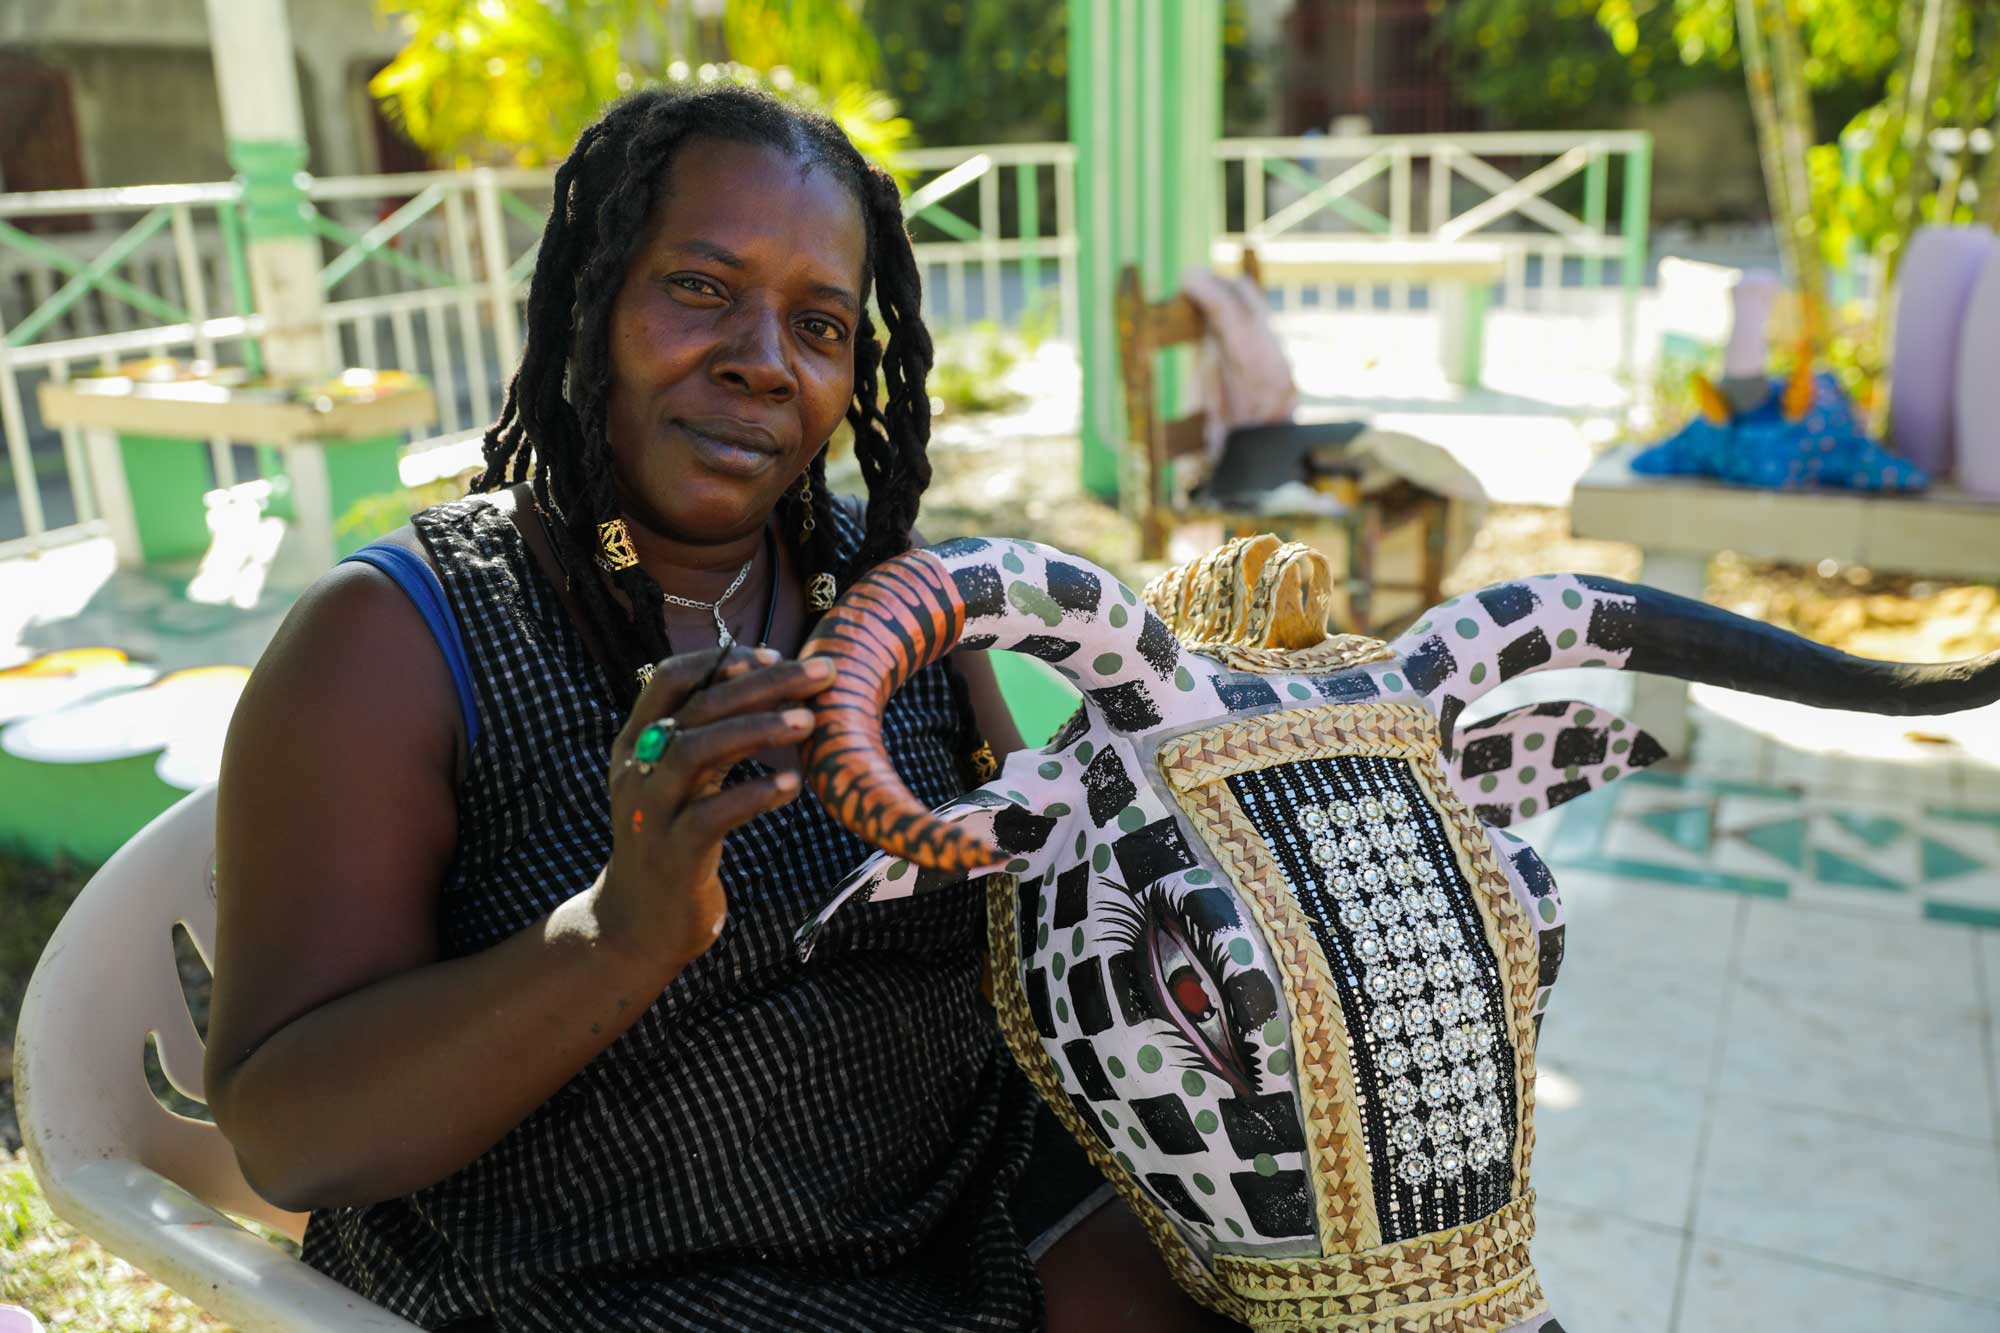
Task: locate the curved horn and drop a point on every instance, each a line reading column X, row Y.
column 1464, row 648
column 900, row 617
column 912, row 609
column 1678, row 636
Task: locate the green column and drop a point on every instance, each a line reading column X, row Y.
column 1145, row 110
column 1635, row 222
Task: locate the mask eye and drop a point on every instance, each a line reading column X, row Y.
column 1184, row 969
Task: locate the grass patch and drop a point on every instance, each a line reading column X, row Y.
column 34, row 894
column 69, row 1281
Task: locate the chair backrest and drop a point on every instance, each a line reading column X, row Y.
column 1146, row 328
column 106, row 980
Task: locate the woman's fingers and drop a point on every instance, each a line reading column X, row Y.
column 677, row 677
column 757, row 688
column 700, row 755
column 703, row 823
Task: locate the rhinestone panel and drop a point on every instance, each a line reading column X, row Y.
column 1370, row 864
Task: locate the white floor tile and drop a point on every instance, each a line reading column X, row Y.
column 1851, row 776
column 1866, row 1198
column 1899, row 1064
column 1727, row 1291
column 1644, row 922
column 1616, row 1143
column 1604, row 1272
column 1620, row 1011
column 1909, row 964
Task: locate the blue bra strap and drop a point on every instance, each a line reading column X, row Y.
column 415, row 576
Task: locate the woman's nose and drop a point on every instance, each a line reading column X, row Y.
column 753, row 354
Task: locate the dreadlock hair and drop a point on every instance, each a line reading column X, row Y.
column 552, row 430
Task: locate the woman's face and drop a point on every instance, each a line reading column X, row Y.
column 732, row 338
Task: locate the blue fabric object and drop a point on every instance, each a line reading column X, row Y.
column 415, row 577
column 1826, row 447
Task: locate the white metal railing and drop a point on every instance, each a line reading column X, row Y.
column 978, row 218
column 1421, row 192
column 424, row 272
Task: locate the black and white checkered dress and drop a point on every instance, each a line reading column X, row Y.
column 771, row 1146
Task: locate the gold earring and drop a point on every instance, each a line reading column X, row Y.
column 819, row 592
column 806, row 501
column 985, row 765
column 614, row 546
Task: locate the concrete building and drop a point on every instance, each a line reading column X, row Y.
column 122, row 92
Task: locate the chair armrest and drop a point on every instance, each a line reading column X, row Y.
column 231, row 1272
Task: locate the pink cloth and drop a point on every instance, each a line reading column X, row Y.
column 1935, row 283
column 1245, row 378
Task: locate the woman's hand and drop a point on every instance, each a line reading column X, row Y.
column 659, row 896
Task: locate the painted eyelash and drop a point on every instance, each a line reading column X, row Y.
column 1141, row 925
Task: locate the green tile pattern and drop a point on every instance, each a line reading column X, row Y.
column 1877, row 831
column 1784, row 839
column 1830, row 867
column 1944, row 861
column 1690, row 827
column 1931, row 861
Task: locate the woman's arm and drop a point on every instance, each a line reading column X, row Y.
column 989, row 706
column 346, row 1062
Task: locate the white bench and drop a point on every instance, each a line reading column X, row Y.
column 1462, row 272
column 1679, row 522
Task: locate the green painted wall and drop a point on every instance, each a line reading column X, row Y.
column 1145, row 110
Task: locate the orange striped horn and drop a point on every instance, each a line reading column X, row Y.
column 897, row 619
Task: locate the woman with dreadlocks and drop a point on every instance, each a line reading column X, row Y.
column 510, row 849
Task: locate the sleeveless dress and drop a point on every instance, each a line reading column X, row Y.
column 772, row 1145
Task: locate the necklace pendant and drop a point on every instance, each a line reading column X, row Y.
column 724, row 640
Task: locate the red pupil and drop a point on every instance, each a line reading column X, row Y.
column 1190, row 994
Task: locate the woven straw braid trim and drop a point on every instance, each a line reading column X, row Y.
column 1400, row 731
column 1510, row 935
column 1336, row 1153
column 1335, row 653
column 1010, row 1003
column 1490, row 1312
column 1460, row 1262
column 1163, row 594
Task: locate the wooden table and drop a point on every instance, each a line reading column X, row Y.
column 1679, row 522
column 147, row 445
column 1461, row 273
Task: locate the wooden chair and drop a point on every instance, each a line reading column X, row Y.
column 1373, row 509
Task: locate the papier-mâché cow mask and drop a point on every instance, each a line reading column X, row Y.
column 1260, row 934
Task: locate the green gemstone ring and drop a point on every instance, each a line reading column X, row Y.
column 652, row 742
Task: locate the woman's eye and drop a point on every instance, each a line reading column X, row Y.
column 699, row 286
column 824, row 329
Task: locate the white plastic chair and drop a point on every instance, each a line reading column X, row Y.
column 144, row 1182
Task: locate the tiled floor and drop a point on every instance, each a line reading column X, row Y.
column 1768, row 1095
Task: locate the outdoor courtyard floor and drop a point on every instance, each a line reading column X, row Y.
column 1767, row 1095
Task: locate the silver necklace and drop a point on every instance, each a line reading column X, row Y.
column 723, row 638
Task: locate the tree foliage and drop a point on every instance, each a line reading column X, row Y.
column 1582, row 62
column 981, row 71
column 518, row 80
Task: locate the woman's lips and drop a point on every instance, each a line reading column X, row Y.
column 737, row 457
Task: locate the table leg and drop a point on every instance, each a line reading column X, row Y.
column 1461, row 330
column 114, row 495
column 311, row 539
column 1660, row 703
